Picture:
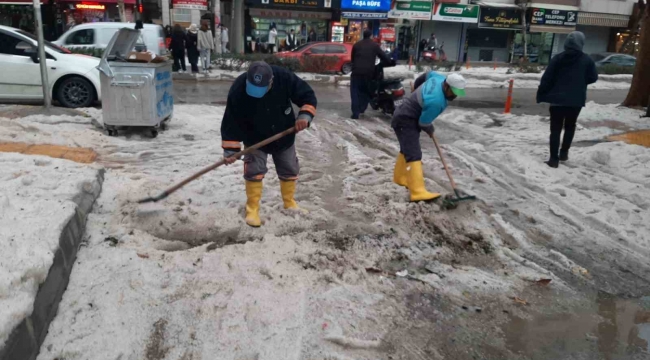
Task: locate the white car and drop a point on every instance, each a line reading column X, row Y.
column 73, row 79
column 97, row 35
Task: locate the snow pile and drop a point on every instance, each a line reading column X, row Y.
column 488, row 77
column 186, row 278
column 36, row 202
column 603, row 186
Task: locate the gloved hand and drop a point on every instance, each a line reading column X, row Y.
column 228, row 156
column 303, row 121
column 429, row 129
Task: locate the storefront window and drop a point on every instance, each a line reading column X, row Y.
column 17, row 16
column 305, row 31
column 539, row 46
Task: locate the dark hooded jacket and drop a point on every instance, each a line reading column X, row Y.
column 566, row 78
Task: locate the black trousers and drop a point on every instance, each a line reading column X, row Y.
column 562, row 117
column 361, row 89
column 193, row 57
column 179, row 59
column 409, row 142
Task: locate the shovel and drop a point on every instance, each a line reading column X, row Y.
column 206, row 170
column 449, row 201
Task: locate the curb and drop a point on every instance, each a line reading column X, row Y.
column 26, row 339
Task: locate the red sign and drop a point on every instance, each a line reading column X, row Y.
column 387, row 34
column 90, row 6
column 191, row 4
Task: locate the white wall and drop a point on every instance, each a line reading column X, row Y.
column 448, row 32
column 597, row 38
column 621, row 7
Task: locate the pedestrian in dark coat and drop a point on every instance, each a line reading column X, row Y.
column 564, row 86
column 191, row 43
column 364, row 53
column 178, row 48
column 291, row 40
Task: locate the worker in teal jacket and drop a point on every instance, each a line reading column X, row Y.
column 429, row 99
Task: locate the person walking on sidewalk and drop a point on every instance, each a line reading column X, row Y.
column 429, row 99
column 564, row 86
column 273, row 34
column 192, row 44
column 224, row 39
column 364, row 53
column 205, row 45
column 259, row 106
column 178, row 48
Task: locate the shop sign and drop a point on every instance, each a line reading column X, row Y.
column 83, row 6
column 554, row 17
column 191, row 4
column 500, row 18
column 366, row 5
column 414, row 10
column 363, row 15
column 387, row 34
column 303, row 3
column 456, row 13
column 290, row 14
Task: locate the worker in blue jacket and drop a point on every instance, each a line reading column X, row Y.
column 259, row 106
column 417, row 113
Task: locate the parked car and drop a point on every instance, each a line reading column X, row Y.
column 73, row 79
column 342, row 51
column 614, row 59
column 97, row 35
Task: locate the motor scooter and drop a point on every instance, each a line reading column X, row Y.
column 389, row 92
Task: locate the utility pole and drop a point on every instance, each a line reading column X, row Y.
column 523, row 31
column 217, row 29
column 42, row 59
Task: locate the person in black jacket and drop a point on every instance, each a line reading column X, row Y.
column 364, row 53
column 178, row 48
column 291, row 40
column 259, row 106
column 564, row 86
column 191, row 43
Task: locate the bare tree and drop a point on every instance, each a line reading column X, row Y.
column 640, row 88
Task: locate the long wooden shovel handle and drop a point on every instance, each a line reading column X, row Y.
column 444, row 163
column 203, row 171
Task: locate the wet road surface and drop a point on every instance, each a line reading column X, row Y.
column 337, row 98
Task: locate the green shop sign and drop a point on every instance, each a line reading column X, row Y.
column 456, row 13
column 414, row 10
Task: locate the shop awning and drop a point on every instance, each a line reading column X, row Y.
column 551, row 29
column 598, row 19
column 289, row 14
column 496, row 5
column 19, row 2
column 552, row 6
column 97, row 1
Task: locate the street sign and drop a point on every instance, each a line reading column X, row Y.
column 554, row 17
column 456, row 13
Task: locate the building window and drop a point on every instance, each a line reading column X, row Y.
column 182, row 15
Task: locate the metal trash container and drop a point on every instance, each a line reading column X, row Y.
column 135, row 94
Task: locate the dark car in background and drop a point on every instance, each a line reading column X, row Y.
column 613, row 59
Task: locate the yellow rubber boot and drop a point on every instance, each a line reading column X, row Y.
column 288, row 189
column 254, row 195
column 399, row 174
column 415, row 178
